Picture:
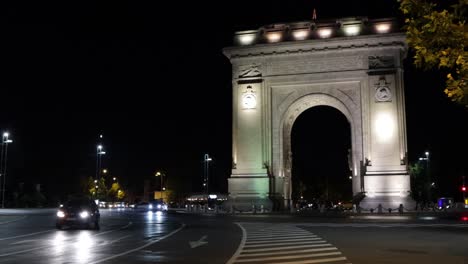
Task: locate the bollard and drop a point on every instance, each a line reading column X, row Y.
column 354, row 208
column 261, row 209
column 379, row 208
column 254, row 210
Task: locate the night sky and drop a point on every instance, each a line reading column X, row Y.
column 152, row 79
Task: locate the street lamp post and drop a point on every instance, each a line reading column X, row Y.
column 428, row 175
column 3, row 163
column 206, row 180
column 99, row 154
column 162, row 189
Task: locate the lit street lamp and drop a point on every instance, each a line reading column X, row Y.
column 428, row 176
column 206, row 179
column 3, row 163
column 99, row 153
column 162, row 189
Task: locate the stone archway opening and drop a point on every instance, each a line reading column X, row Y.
column 321, row 165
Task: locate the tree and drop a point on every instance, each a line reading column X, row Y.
column 97, row 188
column 439, row 38
column 116, row 192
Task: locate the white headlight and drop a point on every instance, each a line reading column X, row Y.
column 159, row 206
column 60, row 214
column 84, row 214
column 150, row 206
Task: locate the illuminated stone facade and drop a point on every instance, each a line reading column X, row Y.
column 353, row 65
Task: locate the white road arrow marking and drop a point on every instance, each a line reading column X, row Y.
column 194, row 244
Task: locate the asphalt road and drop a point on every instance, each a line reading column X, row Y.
column 127, row 236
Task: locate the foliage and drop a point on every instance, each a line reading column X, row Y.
column 116, row 192
column 97, row 189
column 439, row 39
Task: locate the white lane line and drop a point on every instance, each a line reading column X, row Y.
column 275, row 236
column 241, row 245
column 140, row 247
column 276, row 233
column 289, row 252
column 14, row 220
column 291, row 257
column 25, row 235
column 278, row 238
column 287, row 243
column 314, row 261
column 48, row 246
column 283, row 240
column 289, row 247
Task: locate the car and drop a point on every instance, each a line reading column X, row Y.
column 157, row 206
column 81, row 212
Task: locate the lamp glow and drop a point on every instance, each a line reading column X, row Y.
column 274, row 36
column 384, row 126
column 246, row 39
column 324, row 32
column 383, row 27
column 300, row 34
column 351, row 30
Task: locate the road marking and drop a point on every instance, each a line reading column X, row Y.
column 241, row 245
column 140, row 247
column 200, row 242
column 380, row 225
column 283, row 248
column 25, row 235
column 315, row 261
column 283, row 240
column 283, row 244
column 267, row 238
column 290, row 257
column 290, row 252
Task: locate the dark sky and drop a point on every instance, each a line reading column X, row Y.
column 151, row 77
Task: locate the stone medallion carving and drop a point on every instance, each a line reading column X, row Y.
column 249, row 99
column 382, row 91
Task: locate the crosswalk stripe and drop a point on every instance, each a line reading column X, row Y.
column 289, row 252
column 280, row 237
column 290, row 257
column 283, row 240
column 313, row 261
column 289, row 247
column 286, row 243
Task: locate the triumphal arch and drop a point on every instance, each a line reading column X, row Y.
column 353, row 65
